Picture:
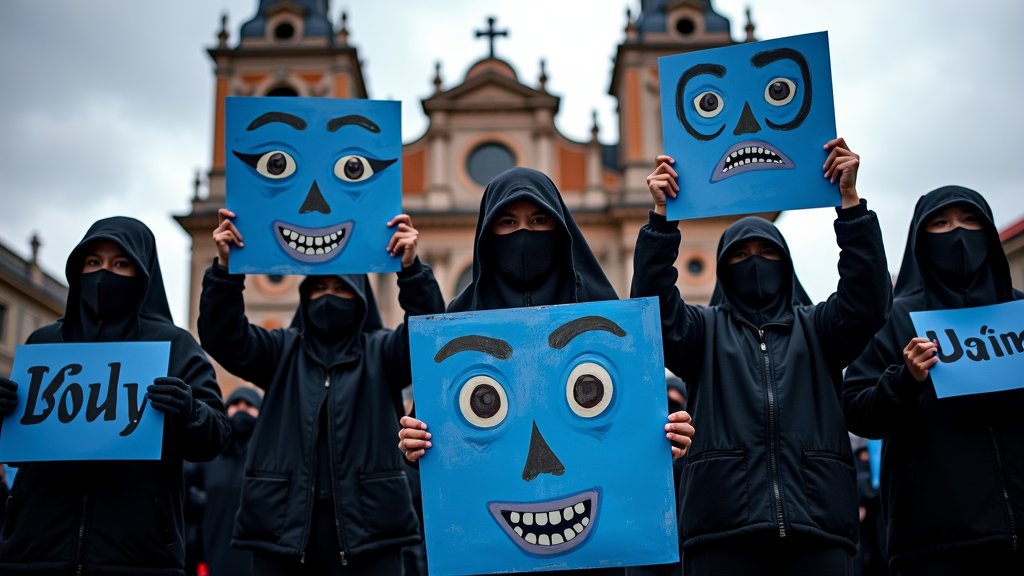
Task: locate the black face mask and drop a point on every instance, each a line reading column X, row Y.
column 109, row 296
column 957, row 254
column 332, row 317
column 242, row 425
column 525, row 258
column 757, row 280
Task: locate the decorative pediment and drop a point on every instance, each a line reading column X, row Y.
column 490, row 89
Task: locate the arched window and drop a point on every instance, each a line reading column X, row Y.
column 487, row 161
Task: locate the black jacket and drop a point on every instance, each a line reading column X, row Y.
column 362, row 394
column 120, row 517
column 952, row 469
column 220, row 483
column 771, row 454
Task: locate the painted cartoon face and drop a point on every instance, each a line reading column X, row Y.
column 750, row 121
column 313, row 182
column 548, row 443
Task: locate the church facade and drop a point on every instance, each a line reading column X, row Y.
column 489, row 121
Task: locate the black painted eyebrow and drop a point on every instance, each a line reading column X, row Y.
column 565, row 333
column 282, row 117
column 716, row 70
column 353, row 120
column 762, row 59
column 491, row 346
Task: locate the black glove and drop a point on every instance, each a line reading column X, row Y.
column 172, row 397
column 8, row 396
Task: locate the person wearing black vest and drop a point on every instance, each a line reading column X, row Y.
column 952, row 484
column 769, row 484
column 117, row 516
column 530, row 252
column 324, row 490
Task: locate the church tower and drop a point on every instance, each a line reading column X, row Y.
column 289, row 48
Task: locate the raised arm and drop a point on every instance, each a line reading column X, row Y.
column 655, row 274
column 858, row 309
column 247, row 351
column 418, row 294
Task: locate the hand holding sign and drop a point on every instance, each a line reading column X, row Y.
column 224, row 235
column 845, row 163
column 920, row 356
column 172, row 397
column 662, row 183
column 8, row 396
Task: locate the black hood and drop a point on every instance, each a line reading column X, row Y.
column 792, row 292
column 991, row 284
column 350, row 347
column 582, row 281
column 136, row 239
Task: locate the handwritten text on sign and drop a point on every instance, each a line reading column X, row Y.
column 980, row 349
column 85, row 402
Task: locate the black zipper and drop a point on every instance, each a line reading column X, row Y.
column 80, row 552
column 772, row 443
column 334, row 498
column 712, row 454
column 1002, row 486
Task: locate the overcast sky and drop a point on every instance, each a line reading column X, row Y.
column 107, row 105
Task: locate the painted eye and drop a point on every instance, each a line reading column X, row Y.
column 483, row 402
column 779, row 92
column 708, row 104
column 276, row 164
column 589, row 390
column 353, row 168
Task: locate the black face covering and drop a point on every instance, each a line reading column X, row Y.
column 956, row 255
column 757, row 280
column 525, row 258
column 109, row 296
column 332, row 317
column 242, row 425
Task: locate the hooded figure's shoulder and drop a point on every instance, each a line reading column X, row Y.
column 49, row 334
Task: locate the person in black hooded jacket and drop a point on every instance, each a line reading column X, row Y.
column 769, row 484
column 952, row 483
column 324, row 489
column 117, row 516
column 530, row 252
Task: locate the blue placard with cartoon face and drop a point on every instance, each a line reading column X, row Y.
column 313, row 182
column 746, row 125
column 549, row 449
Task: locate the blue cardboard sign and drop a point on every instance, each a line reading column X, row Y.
column 549, row 449
column 980, row 349
column 85, row 402
column 746, row 125
column 313, row 183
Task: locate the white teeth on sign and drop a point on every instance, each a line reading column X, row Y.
column 760, row 150
column 327, row 250
column 733, row 154
column 567, row 513
column 741, row 152
column 556, row 539
column 319, row 241
column 554, row 517
column 531, row 538
column 585, row 521
column 309, row 240
column 294, row 235
column 309, row 251
column 542, row 519
column 747, row 150
column 514, row 517
column 528, row 518
column 292, row 244
column 319, row 251
column 579, row 508
column 334, row 246
column 569, row 534
column 519, row 530
column 334, row 237
column 302, row 239
column 543, row 540
column 577, row 527
column 286, row 232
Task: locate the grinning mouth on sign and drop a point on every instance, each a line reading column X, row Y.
column 750, row 156
column 313, row 245
column 549, row 527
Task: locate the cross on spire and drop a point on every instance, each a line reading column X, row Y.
column 491, row 33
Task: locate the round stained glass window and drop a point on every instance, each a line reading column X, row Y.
column 487, row 161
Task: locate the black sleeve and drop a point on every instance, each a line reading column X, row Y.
column 879, row 391
column 249, row 352
column 418, row 295
column 206, row 433
column 655, row 274
column 858, row 309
